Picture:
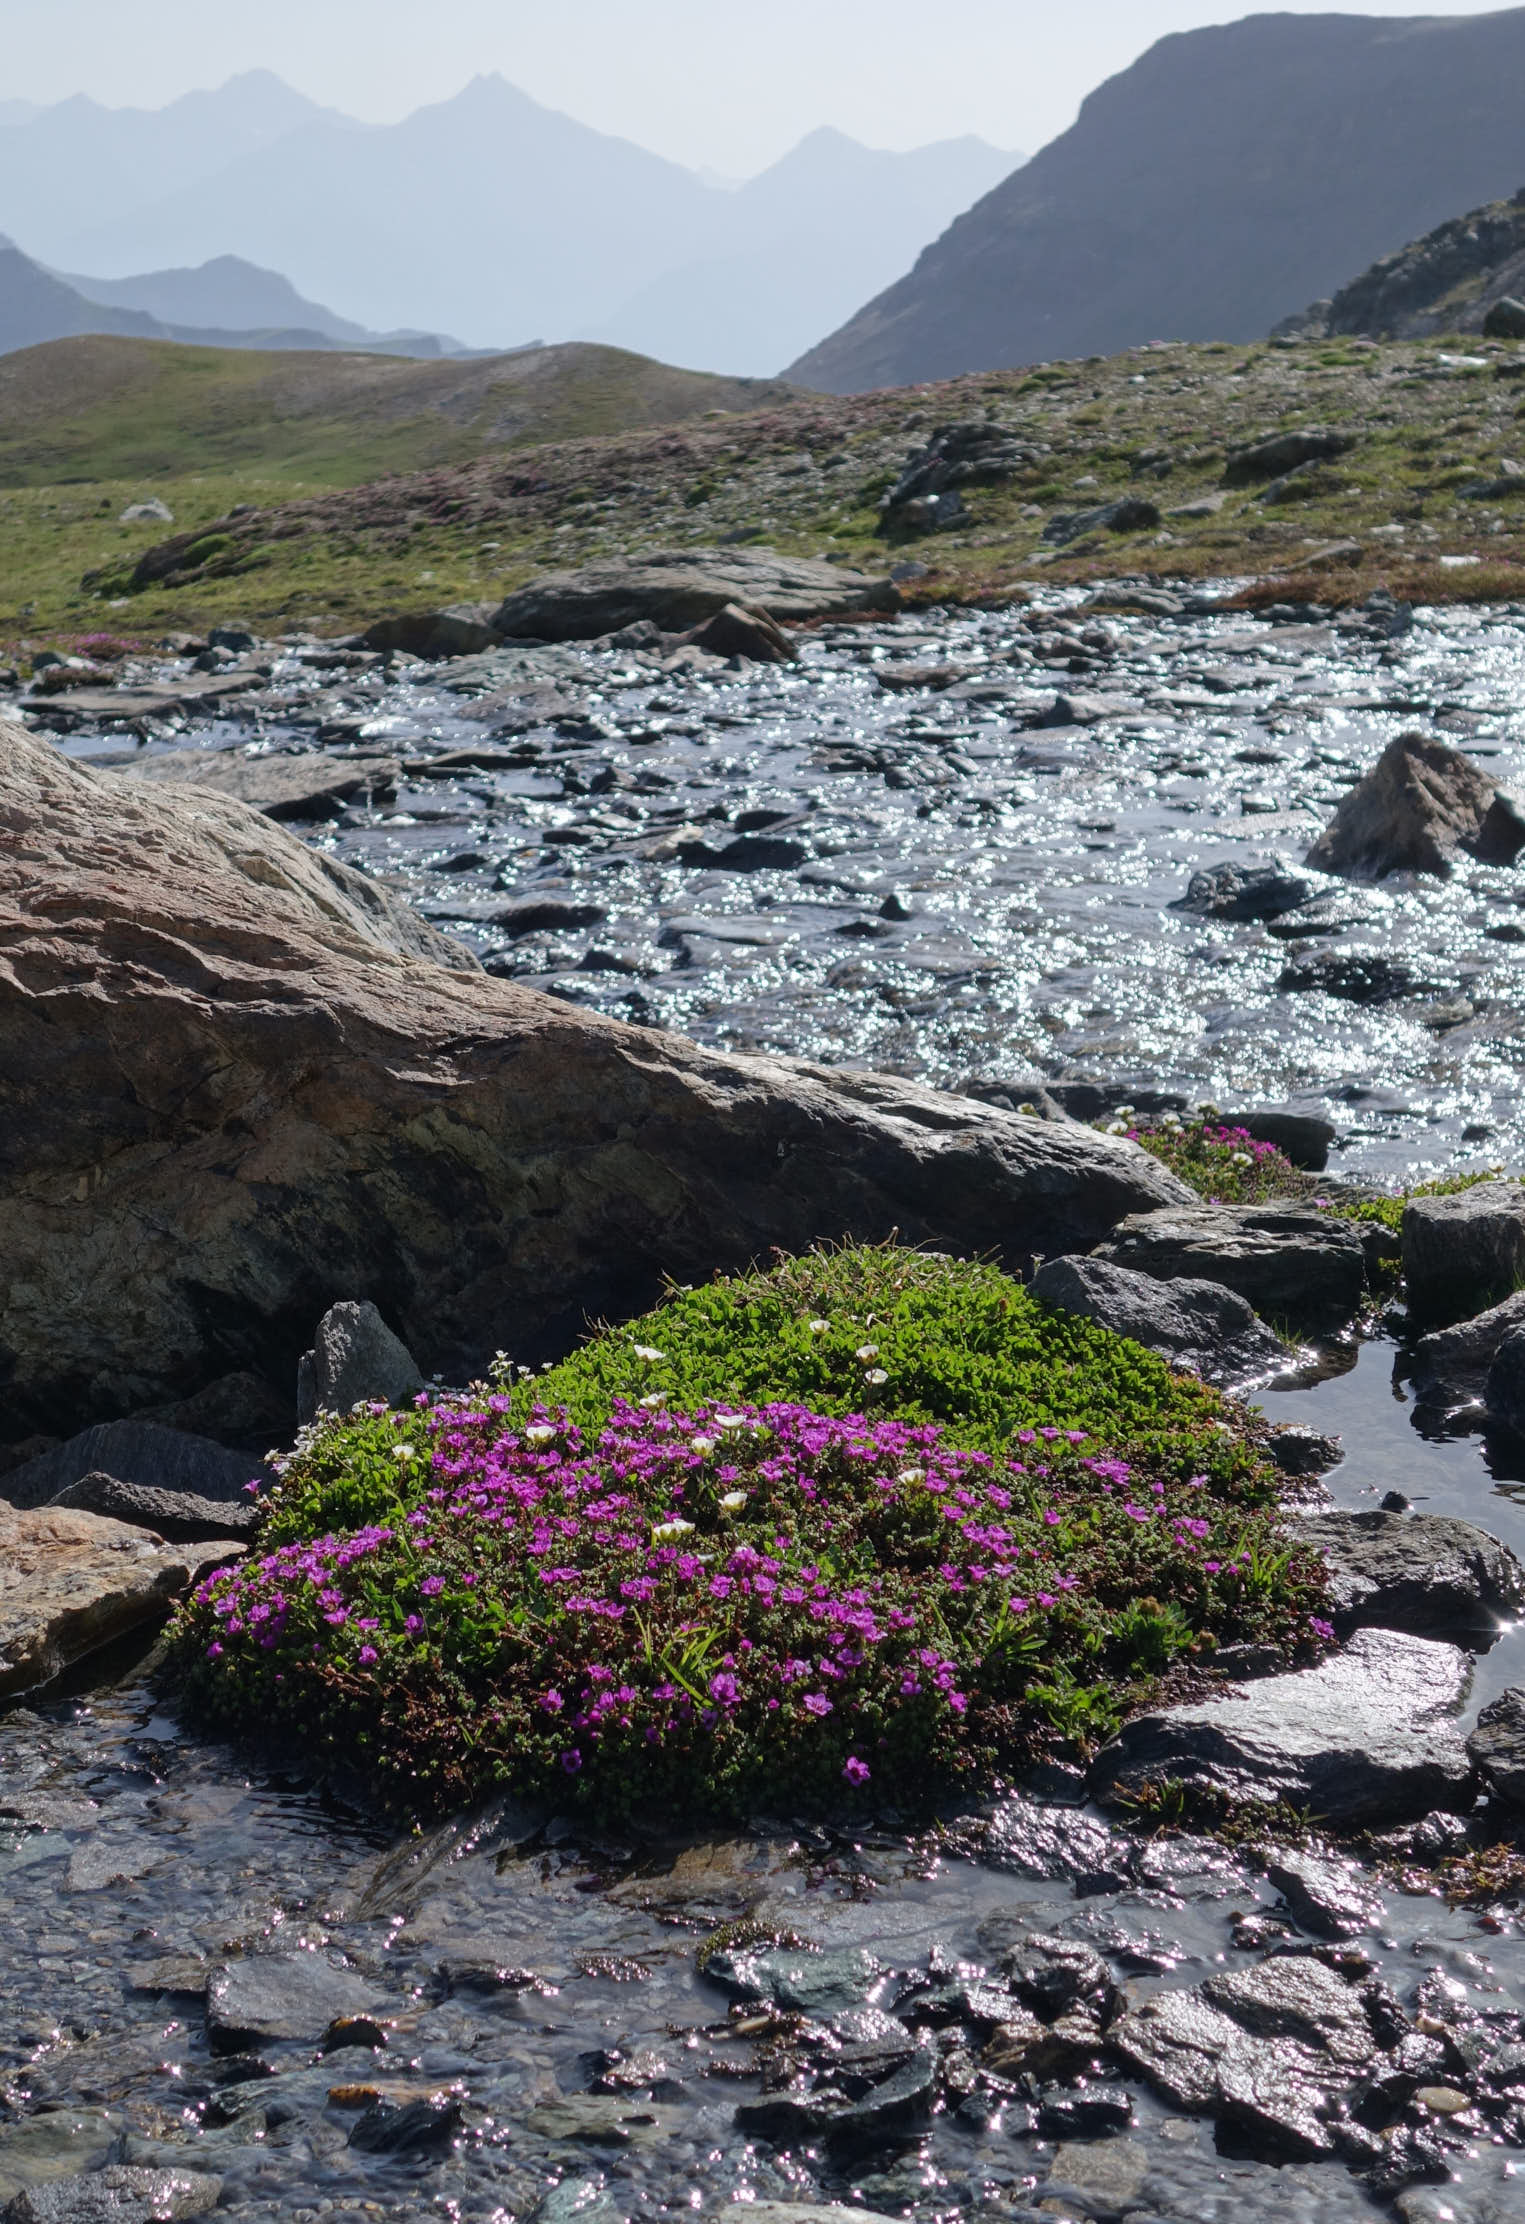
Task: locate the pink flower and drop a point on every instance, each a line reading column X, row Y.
column 856, row 1771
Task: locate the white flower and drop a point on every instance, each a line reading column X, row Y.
column 703, row 1445
column 403, row 1452
column 1116, row 1127
column 648, row 1352
column 655, row 1402
column 670, row 1532
column 866, row 1352
column 540, row 1433
column 1126, row 1111
column 818, row 1327
column 876, row 1375
column 911, row 1475
column 733, row 1501
column 1241, row 1158
column 730, row 1422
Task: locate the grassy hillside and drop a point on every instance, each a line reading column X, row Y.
column 1426, row 499
column 113, row 409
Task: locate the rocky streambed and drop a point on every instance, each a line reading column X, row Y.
column 945, row 845
column 951, row 847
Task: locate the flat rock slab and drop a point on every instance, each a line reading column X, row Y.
column 1466, row 1252
column 1451, row 1365
column 177, row 1516
column 139, row 1452
column 1203, row 1326
column 134, row 705
column 679, row 589
column 1264, row 2049
column 119, row 2194
column 1304, row 1267
column 266, row 1998
column 1370, row 1736
column 1418, row 1572
column 70, row 1582
column 287, row 784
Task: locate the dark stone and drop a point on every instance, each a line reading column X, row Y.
column 678, row 589
column 733, row 631
column 1354, row 976
column 1034, row 1839
column 1424, row 1573
column 1290, row 1264
column 1419, row 806
column 547, row 915
column 1465, row 1252
column 1199, row 1325
column 1497, row 1746
column 901, row 2103
column 1282, row 452
column 1299, row 1450
column 1096, row 2113
column 1129, row 514
column 748, row 853
column 1505, row 320
column 137, row 1452
column 1331, row 1898
column 1244, row 891
column 1053, row 1976
column 355, row 1360
column 464, row 630
column 264, row 1998
column 1302, row 1137
column 1504, row 1392
column 176, row 1515
column 1451, row 1366
column 413, row 2128
column 1368, row 1737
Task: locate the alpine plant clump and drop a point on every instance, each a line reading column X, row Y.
column 729, row 1608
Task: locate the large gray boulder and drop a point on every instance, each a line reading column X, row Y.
column 1368, row 1737
column 1497, row 1745
column 1198, row 1325
column 355, row 1359
column 1421, row 805
column 678, row 589
column 1291, row 1264
column 1451, row 1366
column 1462, row 1254
column 176, row 1516
column 1418, row 1572
column 70, row 1582
column 232, row 1092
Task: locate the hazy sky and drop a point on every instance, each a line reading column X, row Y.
column 706, row 82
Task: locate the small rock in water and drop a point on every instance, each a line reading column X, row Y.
column 1369, row 1736
column 1424, row 1573
column 415, row 2127
column 1329, row 1897
column 265, row 1998
column 1497, row 1745
column 1451, row 1366
column 119, row 2194
column 1421, row 805
column 355, row 1360
column 1264, row 891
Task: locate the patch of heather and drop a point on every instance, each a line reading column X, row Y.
column 1223, row 1163
column 730, row 1608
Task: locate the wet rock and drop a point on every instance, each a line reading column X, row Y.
column 177, row 1516
column 898, row 2104
column 1292, row 1265
column 415, row 2128
column 1354, row 976
column 355, row 1360
column 1282, row 452
column 1465, row 1252
column 678, row 589
column 1199, row 1325
column 1091, row 2114
column 142, row 1453
column 1096, row 2178
column 1263, row 891
column 1054, row 1976
column 1265, row 2050
column 1451, row 1366
column 296, row 784
column 463, row 630
column 733, row 631
column 1504, row 1391
column 1031, row 1839
column 599, row 2120
column 838, row 1987
column 795, row 2212
column 1424, row 1573
column 308, row 1106
column 265, row 1998
column 1421, row 805
column 1497, row 1746
column 547, row 915
column 1368, row 1737
column 71, row 1582
column 118, row 2194
column 1300, row 1451
column 1331, row 1898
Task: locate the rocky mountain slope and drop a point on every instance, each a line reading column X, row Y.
column 590, row 236
column 1445, row 282
column 1229, row 176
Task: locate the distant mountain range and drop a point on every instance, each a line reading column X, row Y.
column 486, row 215
column 226, row 303
column 1230, row 176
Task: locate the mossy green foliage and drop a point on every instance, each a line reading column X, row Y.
column 877, row 1331
column 869, row 1525
column 1387, row 1212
